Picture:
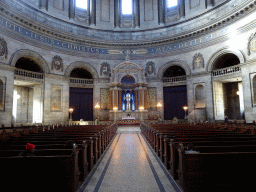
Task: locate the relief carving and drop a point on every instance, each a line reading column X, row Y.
column 198, row 61
column 3, row 48
column 57, row 63
column 105, row 69
column 252, row 44
column 150, row 69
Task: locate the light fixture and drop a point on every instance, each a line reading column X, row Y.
column 115, row 110
column 185, row 108
column 97, row 106
column 159, row 105
column 70, row 111
column 141, row 108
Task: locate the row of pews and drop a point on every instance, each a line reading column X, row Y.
column 223, row 157
column 64, row 156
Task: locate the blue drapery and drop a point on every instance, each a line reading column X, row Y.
column 81, row 100
column 174, row 99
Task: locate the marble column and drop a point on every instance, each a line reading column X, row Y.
column 145, row 99
column 43, row 4
column 111, row 99
column 181, row 4
column 92, row 6
column 119, row 99
column 117, row 11
column 136, row 100
column 72, row 8
column 136, row 13
column 161, row 11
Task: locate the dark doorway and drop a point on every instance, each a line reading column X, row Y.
column 232, row 103
column 226, row 60
column 81, row 73
column 81, row 100
column 174, row 99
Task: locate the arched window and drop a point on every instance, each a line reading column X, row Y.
column 127, row 7
column 171, row 3
column 81, row 73
column 127, row 13
column 82, row 4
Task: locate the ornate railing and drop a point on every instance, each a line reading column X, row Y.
column 30, row 74
column 174, row 79
column 81, row 81
column 227, row 70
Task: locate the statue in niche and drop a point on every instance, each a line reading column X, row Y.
column 105, row 69
column 150, row 69
column 57, row 63
column 198, row 61
column 3, row 48
column 252, row 44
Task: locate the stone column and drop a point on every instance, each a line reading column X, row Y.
column 92, row 12
column 43, row 4
column 111, row 99
column 119, row 99
column 136, row 13
column 181, row 4
column 115, row 98
column 141, row 97
column 161, row 11
column 117, row 11
column 136, row 99
column 145, row 99
column 72, row 8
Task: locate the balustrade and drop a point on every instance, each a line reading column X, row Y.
column 227, row 70
column 81, row 81
column 30, row 74
column 174, row 79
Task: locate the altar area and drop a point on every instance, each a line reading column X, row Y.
column 122, row 115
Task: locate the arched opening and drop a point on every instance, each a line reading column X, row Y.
column 175, row 97
column 226, row 60
column 81, row 99
column 228, row 91
column 128, row 79
column 28, row 92
column 81, row 73
column 174, row 71
column 28, row 64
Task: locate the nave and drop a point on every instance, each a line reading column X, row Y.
column 129, row 165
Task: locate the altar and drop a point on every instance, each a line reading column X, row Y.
column 128, row 118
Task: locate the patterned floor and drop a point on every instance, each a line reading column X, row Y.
column 129, row 165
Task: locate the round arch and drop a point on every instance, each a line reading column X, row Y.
column 31, row 55
column 83, row 65
column 222, row 52
column 173, row 63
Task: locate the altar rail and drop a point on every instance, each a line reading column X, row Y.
column 227, row 70
column 175, row 79
column 81, row 81
column 30, row 74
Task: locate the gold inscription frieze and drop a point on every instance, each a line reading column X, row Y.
column 83, row 48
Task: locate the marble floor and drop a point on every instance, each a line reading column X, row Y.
column 129, row 164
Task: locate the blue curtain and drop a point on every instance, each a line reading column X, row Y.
column 81, row 100
column 174, row 99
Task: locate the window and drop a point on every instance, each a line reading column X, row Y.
column 127, row 7
column 81, row 4
column 171, row 3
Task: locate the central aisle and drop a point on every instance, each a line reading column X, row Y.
column 129, row 165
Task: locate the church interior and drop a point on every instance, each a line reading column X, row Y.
column 113, row 95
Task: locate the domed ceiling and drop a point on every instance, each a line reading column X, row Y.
column 103, row 28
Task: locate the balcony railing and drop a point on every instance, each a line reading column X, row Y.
column 227, row 70
column 30, row 74
column 175, row 79
column 81, row 81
